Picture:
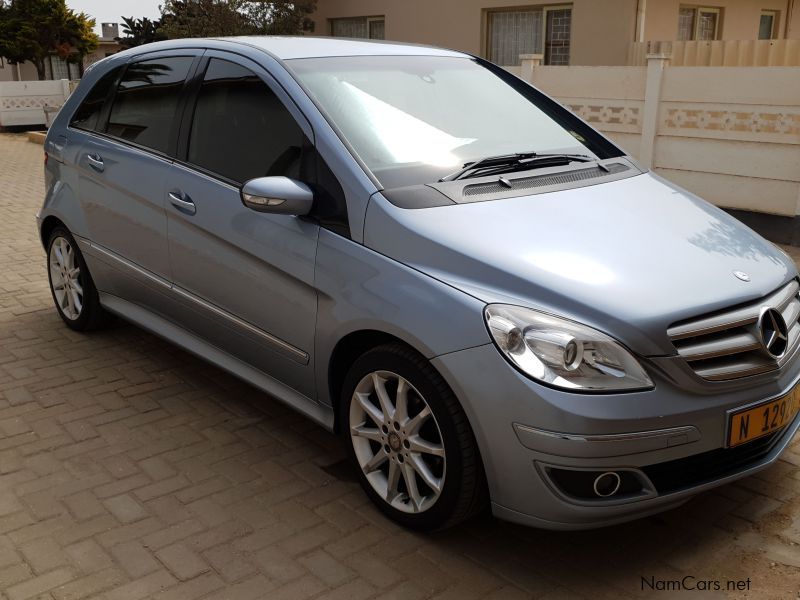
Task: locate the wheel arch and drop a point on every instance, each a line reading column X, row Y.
column 48, row 225
column 345, row 353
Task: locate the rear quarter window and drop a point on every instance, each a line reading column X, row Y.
column 88, row 113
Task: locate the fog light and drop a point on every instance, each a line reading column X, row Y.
column 607, row 484
column 596, row 485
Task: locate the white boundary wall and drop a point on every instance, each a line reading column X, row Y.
column 23, row 102
column 729, row 134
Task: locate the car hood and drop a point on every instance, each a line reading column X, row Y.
column 628, row 257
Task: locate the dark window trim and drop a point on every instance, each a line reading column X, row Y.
column 172, row 142
column 133, row 146
column 193, row 91
column 102, row 114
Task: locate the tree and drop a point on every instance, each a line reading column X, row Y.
column 32, row 30
column 215, row 18
column 140, row 31
column 280, row 17
column 203, row 18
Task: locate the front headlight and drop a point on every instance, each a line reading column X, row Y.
column 563, row 353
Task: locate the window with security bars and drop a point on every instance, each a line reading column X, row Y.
column 56, row 68
column 545, row 30
column 371, row 28
column 698, row 23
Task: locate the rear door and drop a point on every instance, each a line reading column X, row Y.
column 246, row 278
column 123, row 169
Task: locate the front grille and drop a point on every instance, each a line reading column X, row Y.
column 727, row 344
column 694, row 470
column 525, row 183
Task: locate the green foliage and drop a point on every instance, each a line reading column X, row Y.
column 280, row 17
column 31, row 30
column 216, row 18
column 140, row 31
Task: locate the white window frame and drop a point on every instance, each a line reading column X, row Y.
column 776, row 16
column 698, row 10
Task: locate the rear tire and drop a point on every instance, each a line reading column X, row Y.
column 71, row 285
column 409, row 440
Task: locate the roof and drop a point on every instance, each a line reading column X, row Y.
column 289, row 47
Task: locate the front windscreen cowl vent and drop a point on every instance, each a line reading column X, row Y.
column 553, row 179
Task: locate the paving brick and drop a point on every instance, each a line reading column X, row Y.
column 182, row 562
column 135, row 559
column 125, row 508
column 84, row 505
column 8, row 553
column 255, row 588
column 14, row 574
column 128, row 532
column 80, row 531
column 327, row 569
column 230, row 562
column 174, row 533
column 121, row 486
column 144, row 587
column 305, row 587
column 88, row 556
column 355, row 590
column 276, row 565
column 43, row 555
column 195, row 588
column 167, row 486
column 9, row 503
column 39, row 585
column 89, row 585
column 156, row 468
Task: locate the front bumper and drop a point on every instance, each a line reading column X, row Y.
column 523, row 429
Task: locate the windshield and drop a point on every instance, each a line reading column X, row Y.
column 414, row 119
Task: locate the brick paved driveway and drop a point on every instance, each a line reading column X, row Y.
column 129, row 469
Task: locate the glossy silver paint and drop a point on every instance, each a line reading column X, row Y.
column 272, row 297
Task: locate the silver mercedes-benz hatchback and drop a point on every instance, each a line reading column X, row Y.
column 489, row 300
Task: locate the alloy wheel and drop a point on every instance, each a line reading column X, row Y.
column 65, row 278
column 397, row 442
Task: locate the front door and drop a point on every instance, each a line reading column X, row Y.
column 246, row 279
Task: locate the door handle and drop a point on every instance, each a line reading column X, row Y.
column 182, row 202
column 96, row 162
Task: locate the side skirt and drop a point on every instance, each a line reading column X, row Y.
column 322, row 415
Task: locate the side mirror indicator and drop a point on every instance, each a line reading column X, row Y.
column 278, row 195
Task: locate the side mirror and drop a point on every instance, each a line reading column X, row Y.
column 278, row 195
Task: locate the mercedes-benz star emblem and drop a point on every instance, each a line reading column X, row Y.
column 774, row 334
column 741, row 275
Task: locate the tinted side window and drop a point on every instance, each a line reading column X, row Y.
column 89, row 111
column 146, row 102
column 240, row 129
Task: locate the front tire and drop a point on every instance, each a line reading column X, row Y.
column 71, row 285
column 410, row 441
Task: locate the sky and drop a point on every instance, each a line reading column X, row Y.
column 112, row 11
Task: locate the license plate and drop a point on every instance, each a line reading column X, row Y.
column 753, row 423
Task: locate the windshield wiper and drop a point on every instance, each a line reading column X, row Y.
column 515, row 162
